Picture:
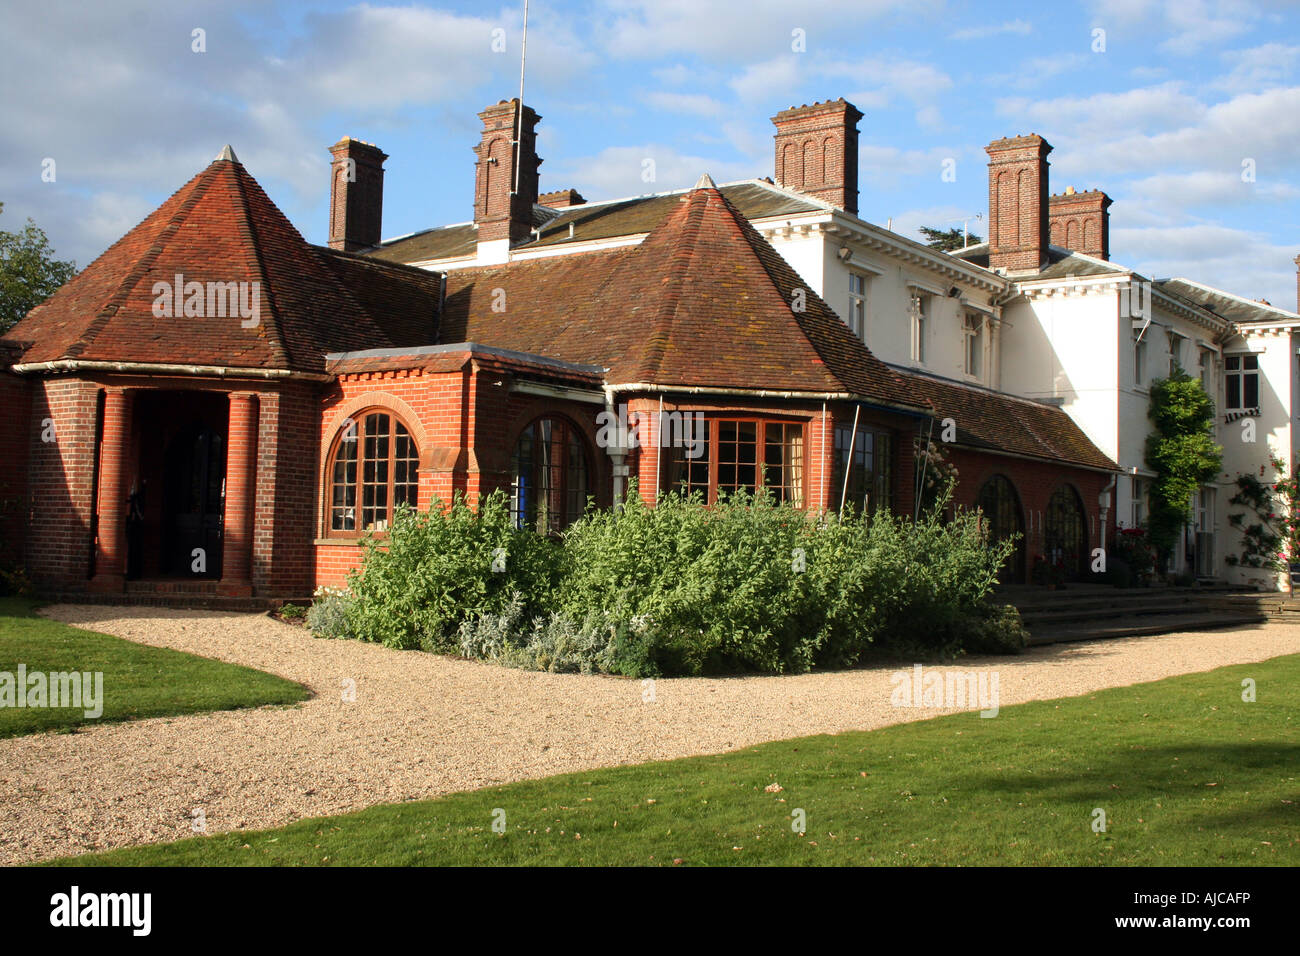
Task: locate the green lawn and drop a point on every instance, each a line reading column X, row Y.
column 139, row 681
column 1186, row 772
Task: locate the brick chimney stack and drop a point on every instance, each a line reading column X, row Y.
column 817, row 152
column 356, row 194
column 500, row 212
column 1080, row 221
column 1018, row 208
column 561, row 199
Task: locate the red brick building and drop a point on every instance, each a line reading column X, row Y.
column 217, row 405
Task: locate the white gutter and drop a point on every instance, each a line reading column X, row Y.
column 763, row 393
column 595, row 397
column 148, row 368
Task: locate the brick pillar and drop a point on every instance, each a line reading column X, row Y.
column 241, row 488
column 110, row 509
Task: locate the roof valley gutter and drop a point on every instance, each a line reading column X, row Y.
column 146, row 368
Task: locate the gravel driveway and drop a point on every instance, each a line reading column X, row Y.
column 423, row 725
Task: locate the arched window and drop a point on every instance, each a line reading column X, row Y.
column 375, row 467
column 1001, row 506
column 550, row 476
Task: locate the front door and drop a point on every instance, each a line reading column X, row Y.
column 192, row 519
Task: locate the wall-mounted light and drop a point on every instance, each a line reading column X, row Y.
column 844, row 253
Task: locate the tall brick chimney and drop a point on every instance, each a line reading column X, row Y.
column 356, row 194
column 1018, row 207
column 500, row 212
column 817, row 151
column 1080, row 221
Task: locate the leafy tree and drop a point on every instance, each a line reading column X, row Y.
column 29, row 273
column 949, row 240
column 1182, row 452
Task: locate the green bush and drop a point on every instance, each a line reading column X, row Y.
column 752, row 584
column 556, row 643
column 996, row 629
column 748, row 584
column 328, row 615
column 435, row 569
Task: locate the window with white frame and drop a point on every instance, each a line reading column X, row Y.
column 922, row 306
column 1137, row 503
column 973, row 330
column 1175, row 351
column 1240, row 381
column 1139, row 357
column 858, row 304
column 1206, row 363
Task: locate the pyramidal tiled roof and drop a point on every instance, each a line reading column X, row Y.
column 221, row 227
column 703, row 301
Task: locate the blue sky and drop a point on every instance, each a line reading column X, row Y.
column 1163, row 118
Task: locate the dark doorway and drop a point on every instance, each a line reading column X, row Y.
column 1065, row 538
column 1001, row 506
column 194, row 474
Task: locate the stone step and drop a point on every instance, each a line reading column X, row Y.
column 1144, row 627
column 1072, row 612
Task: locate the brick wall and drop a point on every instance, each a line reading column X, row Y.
column 1035, row 482
column 15, row 446
column 61, row 481
column 465, row 423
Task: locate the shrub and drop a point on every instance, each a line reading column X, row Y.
column 556, row 643
column 292, row 612
column 328, row 615
column 753, row 584
column 748, row 584
column 996, row 629
column 435, row 569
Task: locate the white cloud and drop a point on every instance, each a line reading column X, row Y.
column 1022, row 27
column 722, row 29
column 1187, row 26
column 1272, row 64
column 618, row 171
column 693, row 104
column 1239, row 261
column 764, row 80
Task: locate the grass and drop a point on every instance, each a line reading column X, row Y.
column 139, row 681
column 1186, row 772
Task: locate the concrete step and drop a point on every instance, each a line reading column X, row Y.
column 1145, row 626
column 1073, row 612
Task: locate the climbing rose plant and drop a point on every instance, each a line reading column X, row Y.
column 1270, row 527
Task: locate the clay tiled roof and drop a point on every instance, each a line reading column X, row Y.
column 220, row 227
column 593, row 221
column 703, row 301
column 995, row 421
